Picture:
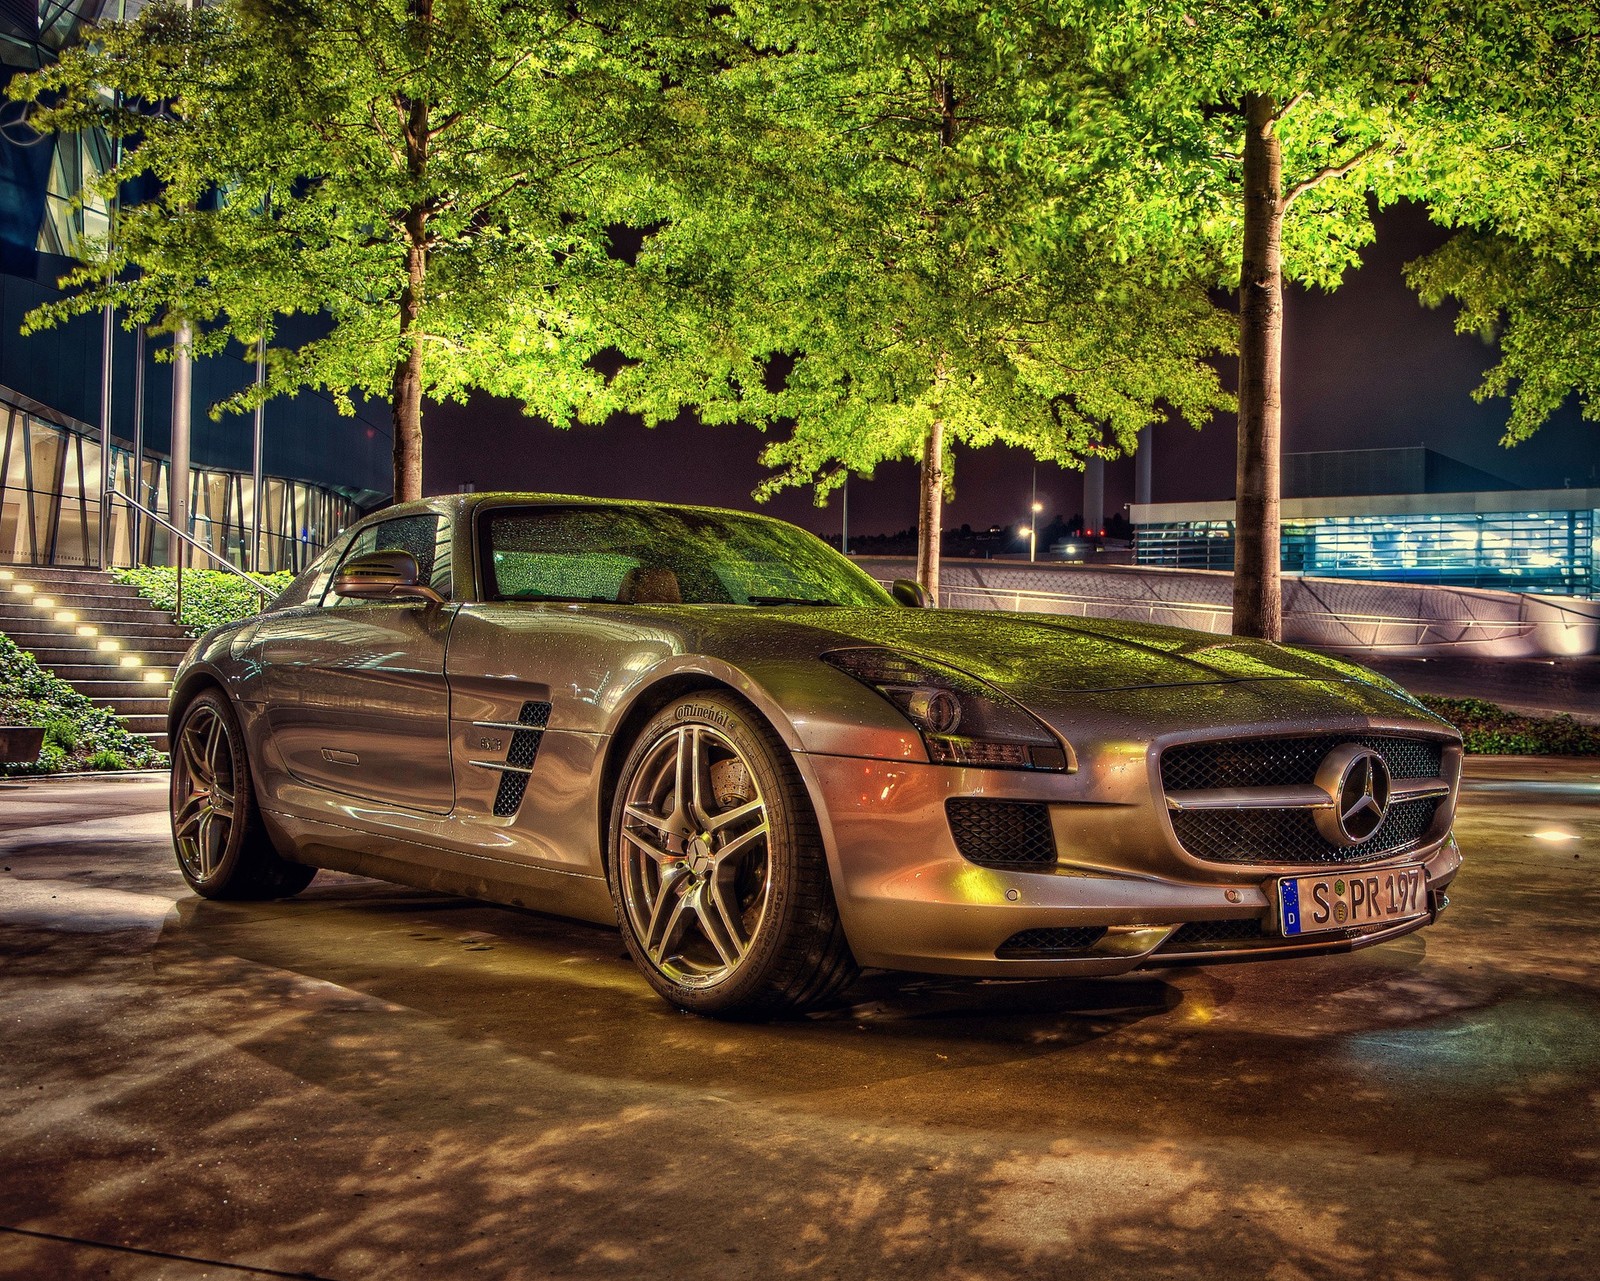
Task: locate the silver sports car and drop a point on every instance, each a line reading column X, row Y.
column 712, row 730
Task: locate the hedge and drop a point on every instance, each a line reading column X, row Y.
column 78, row 735
column 1490, row 729
column 210, row 596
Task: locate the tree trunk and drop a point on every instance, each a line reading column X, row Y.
column 407, row 384
column 1257, row 592
column 407, row 387
column 930, row 513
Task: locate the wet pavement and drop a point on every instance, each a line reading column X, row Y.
column 373, row 1082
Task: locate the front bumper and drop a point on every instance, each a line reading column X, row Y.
column 909, row 900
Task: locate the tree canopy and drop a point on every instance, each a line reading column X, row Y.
column 434, row 178
column 1525, row 268
column 880, row 230
column 883, row 255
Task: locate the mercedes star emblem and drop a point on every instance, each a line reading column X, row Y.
column 1356, row 779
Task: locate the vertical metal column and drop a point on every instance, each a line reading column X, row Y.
column 257, row 481
column 1094, row 497
column 844, row 520
column 178, row 469
column 136, row 517
column 108, row 480
column 1142, row 470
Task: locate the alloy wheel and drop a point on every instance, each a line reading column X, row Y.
column 205, row 791
column 694, row 857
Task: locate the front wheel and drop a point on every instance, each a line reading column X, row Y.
column 223, row 850
column 717, row 868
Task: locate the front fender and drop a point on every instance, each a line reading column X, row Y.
column 814, row 707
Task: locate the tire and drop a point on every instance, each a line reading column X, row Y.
column 222, row 847
column 717, row 868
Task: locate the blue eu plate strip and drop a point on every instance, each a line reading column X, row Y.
column 1289, row 896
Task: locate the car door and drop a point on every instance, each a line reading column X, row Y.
column 357, row 699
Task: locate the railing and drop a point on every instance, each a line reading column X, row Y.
column 261, row 592
column 1153, row 611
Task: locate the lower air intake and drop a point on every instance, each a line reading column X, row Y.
column 1013, row 835
column 1051, row 941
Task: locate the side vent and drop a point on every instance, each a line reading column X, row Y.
column 531, row 722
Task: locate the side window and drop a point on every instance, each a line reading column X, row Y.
column 423, row 536
column 313, row 580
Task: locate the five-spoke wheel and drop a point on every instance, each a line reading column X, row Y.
column 202, row 791
column 223, row 849
column 717, row 869
column 695, row 880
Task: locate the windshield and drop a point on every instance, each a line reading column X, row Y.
column 647, row 555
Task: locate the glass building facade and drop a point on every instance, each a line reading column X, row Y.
column 321, row 469
column 51, row 512
column 1541, row 541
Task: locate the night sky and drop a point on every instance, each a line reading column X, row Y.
column 1364, row 368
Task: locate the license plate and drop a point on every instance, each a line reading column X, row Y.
column 1311, row 904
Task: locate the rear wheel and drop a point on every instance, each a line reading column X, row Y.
column 223, row 849
column 717, row 867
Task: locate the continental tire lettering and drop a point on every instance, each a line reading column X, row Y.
column 713, row 714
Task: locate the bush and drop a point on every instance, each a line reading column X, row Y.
column 78, row 735
column 1490, row 729
column 210, row 596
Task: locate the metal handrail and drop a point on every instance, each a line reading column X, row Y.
column 177, row 613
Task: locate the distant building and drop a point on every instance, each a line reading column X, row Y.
column 1398, row 515
column 321, row 469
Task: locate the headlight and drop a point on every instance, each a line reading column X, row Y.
column 962, row 720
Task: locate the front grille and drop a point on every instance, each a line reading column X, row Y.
column 524, row 748
column 1291, row 836
column 1051, row 940
column 1286, row 762
column 1250, row 835
column 1003, row 834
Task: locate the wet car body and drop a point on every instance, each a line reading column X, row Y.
column 474, row 746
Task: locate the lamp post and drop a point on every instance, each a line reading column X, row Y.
column 1033, row 531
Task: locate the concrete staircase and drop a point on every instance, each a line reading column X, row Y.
column 104, row 639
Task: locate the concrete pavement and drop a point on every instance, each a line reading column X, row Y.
column 373, row 1082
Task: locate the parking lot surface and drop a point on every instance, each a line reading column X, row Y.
column 373, row 1082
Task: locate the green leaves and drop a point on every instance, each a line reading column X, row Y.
column 895, row 216
column 290, row 154
column 79, row 734
column 211, row 597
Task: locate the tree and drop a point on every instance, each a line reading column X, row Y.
column 878, row 247
column 1525, row 268
column 1251, row 137
column 433, row 178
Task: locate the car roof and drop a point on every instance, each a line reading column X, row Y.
column 464, row 504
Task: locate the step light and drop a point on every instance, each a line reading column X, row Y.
column 65, row 616
column 84, row 629
column 44, row 602
column 106, row 646
column 22, row 589
column 131, row 660
column 153, row 677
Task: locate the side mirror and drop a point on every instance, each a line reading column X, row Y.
column 388, row 575
column 911, row 594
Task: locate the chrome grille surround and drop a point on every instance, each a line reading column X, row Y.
column 1254, row 801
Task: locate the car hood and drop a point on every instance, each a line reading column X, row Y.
column 1030, row 655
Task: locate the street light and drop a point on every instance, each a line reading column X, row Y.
column 1033, row 531
column 1027, row 531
